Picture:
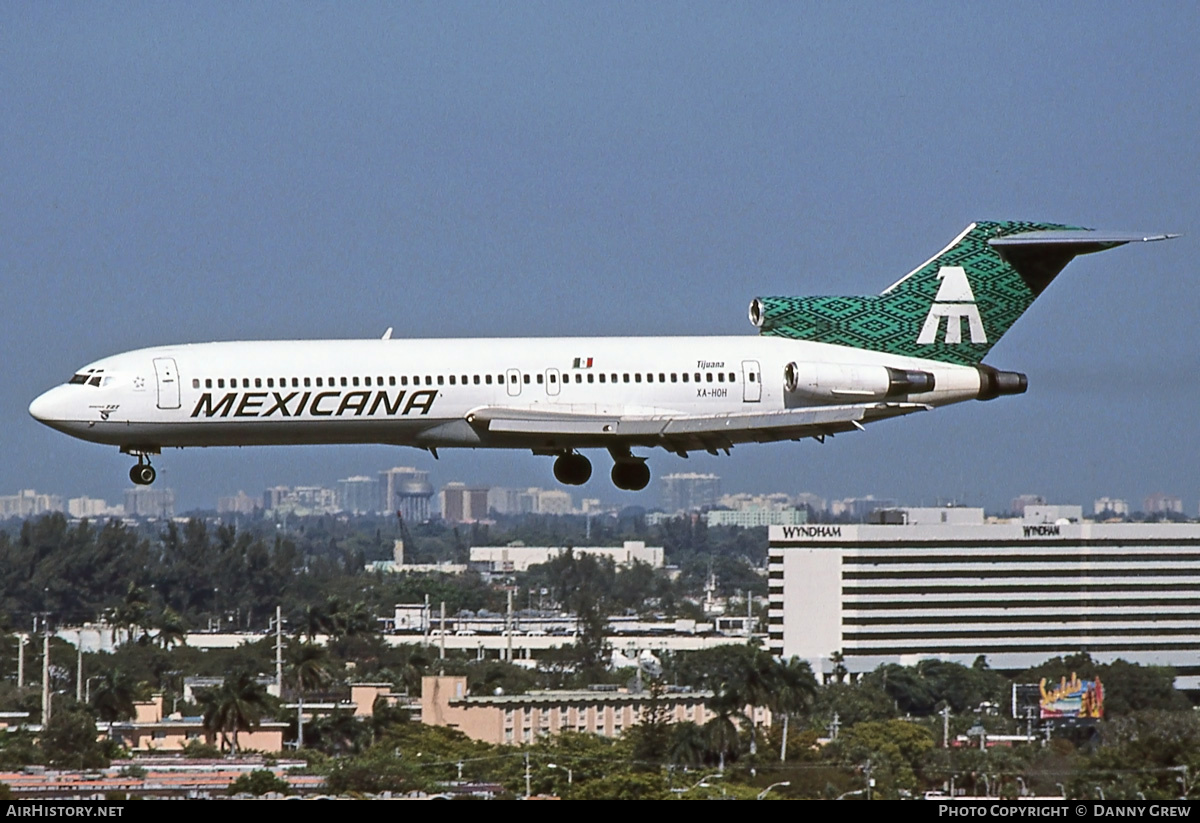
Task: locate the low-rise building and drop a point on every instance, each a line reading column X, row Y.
column 752, row 518
column 151, row 731
column 398, row 565
column 523, row 718
column 92, row 508
column 515, row 559
column 928, row 516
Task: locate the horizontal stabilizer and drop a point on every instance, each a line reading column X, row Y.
column 1080, row 237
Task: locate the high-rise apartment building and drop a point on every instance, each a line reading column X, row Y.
column 464, row 504
column 147, row 502
column 690, row 491
column 358, row 495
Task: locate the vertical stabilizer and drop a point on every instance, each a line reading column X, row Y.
column 955, row 306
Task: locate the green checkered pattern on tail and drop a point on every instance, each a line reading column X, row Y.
column 893, row 321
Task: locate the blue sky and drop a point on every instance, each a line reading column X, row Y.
column 214, row 171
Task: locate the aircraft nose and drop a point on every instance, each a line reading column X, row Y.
column 44, row 408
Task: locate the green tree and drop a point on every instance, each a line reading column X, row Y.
column 893, row 748
column 688, row 745
column 308, row 667
column 70, row 740
column 721, row 732
column 851, row 703
column 906, row 687
column 376, row 770
column 113, row 696
column 338, row 733
column 132, row 614
column 795, row 686
column 200, row 750
column 651, row 735
column 624, row 787
column 258, row 783
column 237, row 705
column 171, row 628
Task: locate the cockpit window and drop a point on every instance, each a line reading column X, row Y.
column 91, row 377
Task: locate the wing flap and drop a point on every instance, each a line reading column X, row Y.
column 691, row 432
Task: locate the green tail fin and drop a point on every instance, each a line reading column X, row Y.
column 952, row 308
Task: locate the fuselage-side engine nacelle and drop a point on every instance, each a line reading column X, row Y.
column 836, row 383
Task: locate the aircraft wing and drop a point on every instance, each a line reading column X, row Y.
column 684, row 433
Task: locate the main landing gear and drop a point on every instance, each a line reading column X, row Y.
column 143, row 473
column 572, row 469
column 629, row 473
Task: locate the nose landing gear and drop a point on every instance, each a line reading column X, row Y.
column 143, row 473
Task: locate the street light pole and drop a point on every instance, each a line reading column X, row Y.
column 763, row 794
column 45, row 670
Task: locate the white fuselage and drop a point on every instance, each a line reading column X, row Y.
column 425, row 392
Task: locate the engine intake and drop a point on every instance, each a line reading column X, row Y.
column 908, row 381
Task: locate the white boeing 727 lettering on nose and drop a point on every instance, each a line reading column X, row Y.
column 818, row 367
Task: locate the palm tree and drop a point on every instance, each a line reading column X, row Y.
column 759, row 683
column 339, row 733
column 748, row 679
column 340, row 619
column 132, row 612
column 113, row 696
column 411, row 668
column 688, row 744
column 308, row 666
column 839, row 666
column 316, row 621
column 171, row 629
column 795, row 689
column 237, row 705
column 359, row 620
column 721, row 732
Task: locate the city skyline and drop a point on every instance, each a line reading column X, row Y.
column 662, row 495
column 518, row 171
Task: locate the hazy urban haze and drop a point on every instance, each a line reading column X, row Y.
column 211, row 172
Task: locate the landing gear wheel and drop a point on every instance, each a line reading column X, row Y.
column 142, row 474
column 572, row 469
column 631, row 475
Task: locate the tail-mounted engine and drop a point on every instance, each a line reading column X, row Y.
column 834, row 383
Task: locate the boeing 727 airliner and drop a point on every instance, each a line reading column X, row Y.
column 818, row 367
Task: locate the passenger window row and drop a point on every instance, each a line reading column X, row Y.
column 456, row 380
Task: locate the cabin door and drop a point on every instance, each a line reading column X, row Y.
column 168, row 382
column 751, row 382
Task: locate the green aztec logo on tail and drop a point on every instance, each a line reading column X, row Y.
column 952, row 308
